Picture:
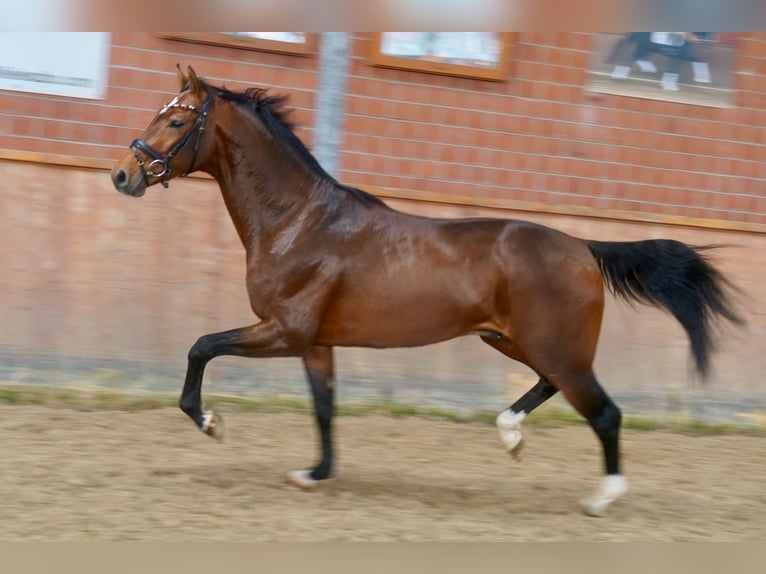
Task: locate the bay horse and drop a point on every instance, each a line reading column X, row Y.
column 330, row 265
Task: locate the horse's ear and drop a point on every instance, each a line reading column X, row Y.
column 194, row 82
column 182, row 81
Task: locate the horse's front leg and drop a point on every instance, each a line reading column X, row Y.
column 320, row 372
column 265, row 339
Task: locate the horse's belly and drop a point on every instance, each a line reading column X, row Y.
column 405, row 322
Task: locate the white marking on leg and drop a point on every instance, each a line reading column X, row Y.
column 508, row 425
column 701, row 72
column 301, row 479
column 669, row 81
column 207, row 417
column 613, row 486
column 647, row 66
column 620, row 72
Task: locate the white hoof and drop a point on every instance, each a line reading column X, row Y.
column 212, row 425
column 301, row 478
column 613, row 486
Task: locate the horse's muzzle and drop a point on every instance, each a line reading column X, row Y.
column 124, row 183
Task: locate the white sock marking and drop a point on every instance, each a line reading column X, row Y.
column 301, row 478
column 669, row 81
column 701, row 72
column 647, row 66
column 508, row 424
column 612, row 487
column 621, row 72
column 207, row 417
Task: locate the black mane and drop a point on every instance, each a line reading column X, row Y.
column 273, row 113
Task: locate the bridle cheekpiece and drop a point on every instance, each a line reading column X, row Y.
column 163, row 162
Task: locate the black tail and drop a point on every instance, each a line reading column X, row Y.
column 674, row 276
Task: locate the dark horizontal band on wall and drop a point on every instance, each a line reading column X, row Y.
column 443, row 198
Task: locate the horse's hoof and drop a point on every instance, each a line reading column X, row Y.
column 594, row 507
column 301, row 479
column 612, row 488
column 212, row 425
column 508, row 424
column 519, row 451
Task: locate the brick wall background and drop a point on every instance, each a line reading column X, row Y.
column 538, row 138
column 100, row 288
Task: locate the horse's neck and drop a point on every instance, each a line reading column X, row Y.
column 263, row 189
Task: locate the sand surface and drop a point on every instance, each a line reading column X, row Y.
column 150, row 475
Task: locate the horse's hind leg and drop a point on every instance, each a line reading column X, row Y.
column 509, row 421
column 318, row 362
column 585, row 394
column 604, row 417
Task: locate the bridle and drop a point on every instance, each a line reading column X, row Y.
column 164, row 161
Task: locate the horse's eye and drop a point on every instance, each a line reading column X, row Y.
column 176, row 124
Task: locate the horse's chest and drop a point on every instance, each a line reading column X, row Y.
column 261, row 289
column 278, row 286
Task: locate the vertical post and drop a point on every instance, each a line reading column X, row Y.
column 328, row 127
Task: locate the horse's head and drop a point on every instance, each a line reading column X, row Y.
column 173, row 143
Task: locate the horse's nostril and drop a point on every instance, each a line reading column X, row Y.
column 121, row 178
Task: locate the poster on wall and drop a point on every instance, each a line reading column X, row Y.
column 483, row 55
column 73, row 64
column 480, row 49
column 290, row 37
column 687, row 67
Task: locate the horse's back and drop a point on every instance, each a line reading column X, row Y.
column 415, row 280
column 522, row 251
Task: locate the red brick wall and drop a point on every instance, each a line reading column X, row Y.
column 122, row 287
column 141, row 78
column 538, row 139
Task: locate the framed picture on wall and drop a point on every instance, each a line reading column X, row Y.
column 687, row 67
column 298, row 43
column 70, row 64
column 482, row 55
